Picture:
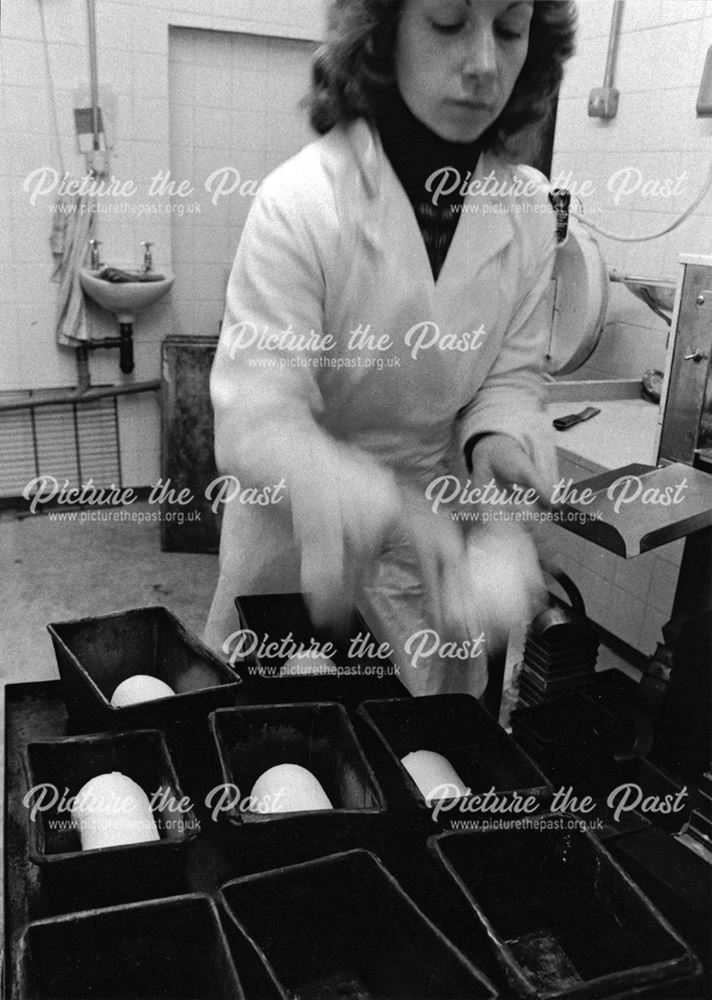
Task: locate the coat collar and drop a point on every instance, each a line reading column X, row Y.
column 487, row 213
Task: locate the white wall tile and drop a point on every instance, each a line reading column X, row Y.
column 672, row 552
column 635, row 67
column 114, row 25
column 651, row 630
column 594, row 18
column 212, row 85
column 681, row 10
column 150, row 33
column 150, row 75
column 634, row 575
column 676, row 55
column 150, row 120
column 211, row 127
column 625, row 616
column 639, row 14
column 585, row 69
column 69, row 65
column 662, row 586
column 66, row 22
column 20, row 19
column 248, row 88
column 22, row 61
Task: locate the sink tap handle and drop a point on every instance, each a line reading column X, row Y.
column 94, row 260
column 147, row 255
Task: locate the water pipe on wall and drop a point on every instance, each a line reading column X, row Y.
column 603, row 101
column 97, row 160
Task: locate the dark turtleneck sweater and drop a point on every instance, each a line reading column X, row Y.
column 415, row 152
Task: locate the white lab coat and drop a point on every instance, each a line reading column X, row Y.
column 332, row 244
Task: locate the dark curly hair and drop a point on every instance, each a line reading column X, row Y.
column 354, row 66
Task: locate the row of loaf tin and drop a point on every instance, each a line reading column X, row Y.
column 388, row 815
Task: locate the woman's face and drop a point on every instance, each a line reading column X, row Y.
column 457, row 61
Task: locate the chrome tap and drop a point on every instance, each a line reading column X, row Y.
column 147, row 256
column 94, row 259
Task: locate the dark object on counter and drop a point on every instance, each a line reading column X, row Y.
column 343, row 927
column 95, row 655
column 571, row 419
column 110, row 874
column 579, row 744
column 457, row 727
column 563, row 917
column 318, row 737
column 651, row 385
column 169, row 949
column 275, row 618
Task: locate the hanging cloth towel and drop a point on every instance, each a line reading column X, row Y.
column 71, row 241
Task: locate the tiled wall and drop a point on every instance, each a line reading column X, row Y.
column 657, row 135
column 656, row 132
column 133, row 63
column 234, row 107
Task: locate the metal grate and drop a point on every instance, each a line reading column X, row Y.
column 70, row 441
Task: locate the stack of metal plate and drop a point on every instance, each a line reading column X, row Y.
column 559, row 657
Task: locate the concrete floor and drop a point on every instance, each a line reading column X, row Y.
column 54, row 571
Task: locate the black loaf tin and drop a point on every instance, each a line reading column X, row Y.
column 341, row 926
column 107, row 875
column 317, row 736
column 460, row 729
column 279, row 616
column 563, row 918
column 95, row 655
column 578, row 743
column 173, row 949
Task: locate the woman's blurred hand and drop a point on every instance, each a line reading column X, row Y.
column 439, row 545
column 502, row 458
column 344, row 505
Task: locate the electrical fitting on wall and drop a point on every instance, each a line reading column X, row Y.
column 94, row 138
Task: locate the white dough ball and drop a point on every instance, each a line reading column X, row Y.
column 287, row 788
column 140, row 687
column 111, row 810
column 309, row 662
column 506, row 578
column 434, row 775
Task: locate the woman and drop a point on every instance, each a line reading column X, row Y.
column 385, row 322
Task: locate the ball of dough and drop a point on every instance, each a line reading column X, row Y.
column 111, row 810
column 507, row 583
column 287, row 788
column 434, row 775
column 140, row 687
column 308, row 663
